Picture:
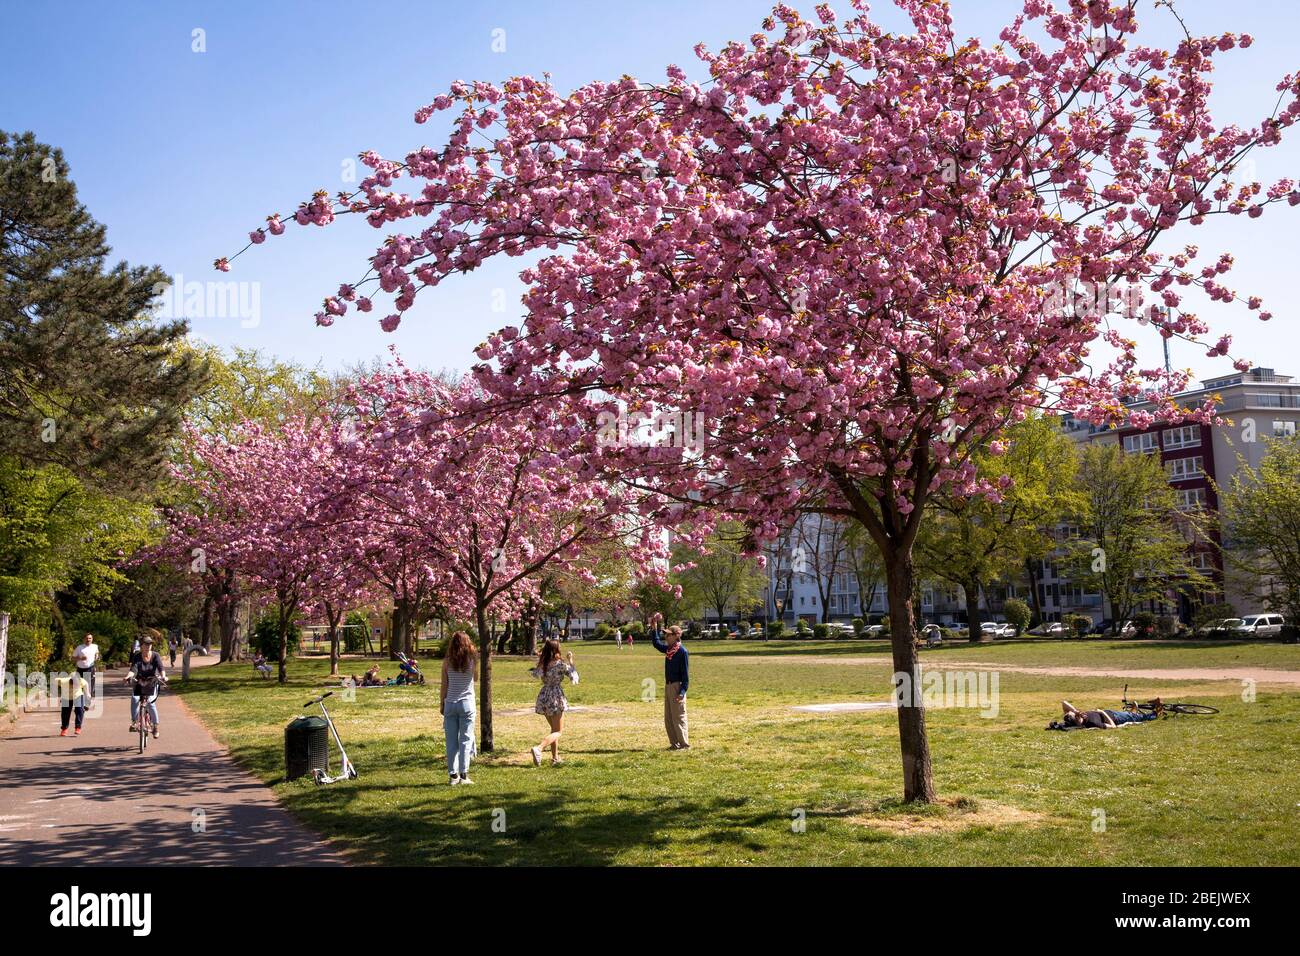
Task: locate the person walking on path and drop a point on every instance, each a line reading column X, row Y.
column 551, row 702
column 618, row 637
column 172, row 644
column 456, row 704
column 85, row 657
column 74, row 695
column 676, row 680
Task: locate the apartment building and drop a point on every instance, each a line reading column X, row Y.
column 804, row 571
column 1198, row 459
column 808, row 571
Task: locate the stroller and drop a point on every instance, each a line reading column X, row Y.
column 409, row 671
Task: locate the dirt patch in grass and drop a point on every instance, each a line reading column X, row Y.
column 573, row 709
column 950, row 814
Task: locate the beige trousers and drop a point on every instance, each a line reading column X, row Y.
column 675, row 717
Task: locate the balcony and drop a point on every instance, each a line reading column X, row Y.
column 1258, row 400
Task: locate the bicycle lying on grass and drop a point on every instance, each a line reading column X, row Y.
column 1163, row 708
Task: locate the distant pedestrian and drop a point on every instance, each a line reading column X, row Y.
column 172, row 645
column 618, row 638
column 85, row 657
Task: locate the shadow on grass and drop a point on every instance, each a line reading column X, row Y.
column 522, row 828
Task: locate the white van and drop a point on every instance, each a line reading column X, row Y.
column 1262, row 625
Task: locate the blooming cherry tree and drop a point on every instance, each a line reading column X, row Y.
column 854, row 255
column 479, row 497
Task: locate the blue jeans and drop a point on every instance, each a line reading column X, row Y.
column 458, row 725
column 135, row 709
column 1129, row 716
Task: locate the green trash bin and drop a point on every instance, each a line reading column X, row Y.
column 306, row 747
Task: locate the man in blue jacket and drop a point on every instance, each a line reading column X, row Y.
column 676, row 679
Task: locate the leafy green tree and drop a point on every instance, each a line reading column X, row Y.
column 821, row 547
column 1261, row 519
column 1017, row 614
column 89, row 381
column 723, row 576
column 863, row 560
column 977, row 540
column 114, row 635
column 1130, row 548
column 156, row 594
column 57, row 535
column 245, row 385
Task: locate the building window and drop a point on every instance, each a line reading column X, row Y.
column 1146, row 442
column 1283, row 429
column 1180, row 469
column 1190, row 499
column 1188, row 436
column 1201, row 561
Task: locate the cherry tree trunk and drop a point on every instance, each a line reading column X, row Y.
column 397, row 633
column 918, row 782
column 484, row 680
column 531, row 615
column 333, row 616
column 973, row 619
column 205, row 635
column 226, row 624
column 286, row 618
column 1034, row 597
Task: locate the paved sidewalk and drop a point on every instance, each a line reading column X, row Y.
column 95, row 800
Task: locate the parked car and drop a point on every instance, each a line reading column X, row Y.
column 997, row 629
column 1051, row 629
column 874, row 630
column 1226, row 627
column 1263, row 625
column 1127, row 629
column 841, row 630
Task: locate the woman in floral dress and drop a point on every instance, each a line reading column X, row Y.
column 551, row 702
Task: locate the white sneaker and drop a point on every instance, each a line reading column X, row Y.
column 456, row 781
column 466, row 780
column 537, row 756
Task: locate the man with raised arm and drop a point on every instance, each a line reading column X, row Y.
column 676, row 679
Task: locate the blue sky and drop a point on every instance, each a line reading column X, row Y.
column 181, row 153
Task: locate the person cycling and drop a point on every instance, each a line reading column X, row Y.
column 147, row 669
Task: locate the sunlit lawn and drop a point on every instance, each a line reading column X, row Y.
column 1188, row 790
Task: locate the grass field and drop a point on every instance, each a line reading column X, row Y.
column 766, row 784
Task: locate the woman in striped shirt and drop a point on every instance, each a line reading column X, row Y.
column 457, row 705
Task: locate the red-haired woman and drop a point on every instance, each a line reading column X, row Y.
column 457, row 705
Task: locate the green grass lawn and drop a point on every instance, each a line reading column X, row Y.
column 766, row 784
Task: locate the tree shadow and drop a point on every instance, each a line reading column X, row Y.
column 558, row 828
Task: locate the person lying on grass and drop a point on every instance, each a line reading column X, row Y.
column 1106, row 719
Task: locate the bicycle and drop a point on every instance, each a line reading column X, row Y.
column 147, row 691
column 1163, row 708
